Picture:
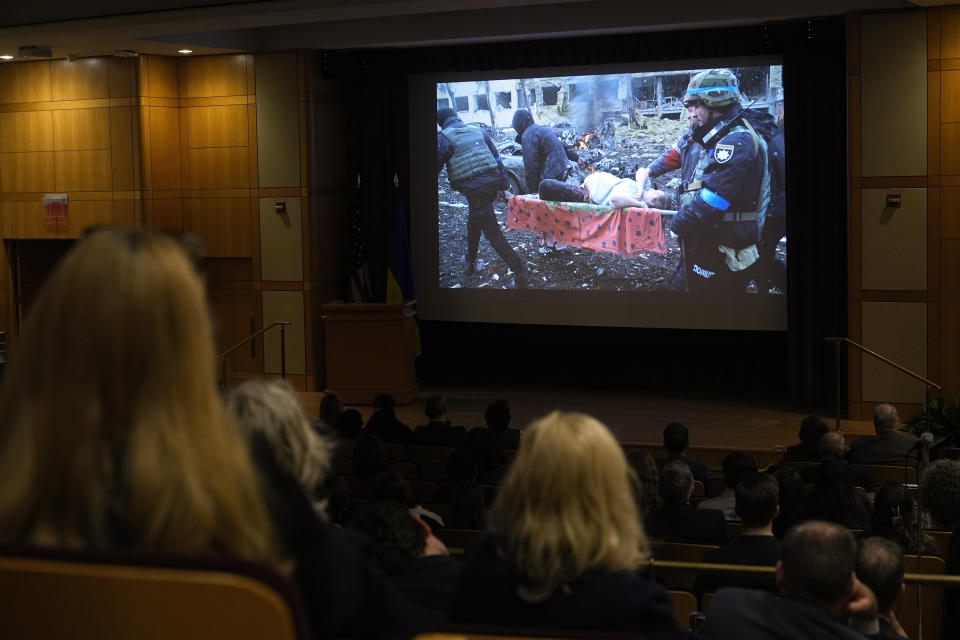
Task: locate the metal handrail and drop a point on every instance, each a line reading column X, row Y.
column 283, row 324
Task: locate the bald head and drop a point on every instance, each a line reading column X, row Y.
column 832, row 445
column 885, row 418
column 817, row 561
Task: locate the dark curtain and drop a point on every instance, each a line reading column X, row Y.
column 795, row 365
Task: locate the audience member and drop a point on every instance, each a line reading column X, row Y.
column 880, row 566
column 133, row 449
column 331, row 406
column 417, row 562
column 834, row 447
column 888, row 446
column 273, row 409
column 792, row 501
column 369, row 457
column 384, row 423
column 497, row 417
column 836, row 499
column 392, row 487
column 439, row 431
column 940, row 493
column 676, row 440
column 676, row 520
column 812, row 429
column 895, row 518
column 349, row 425
column 489, row 460
column 818, row 589
column 736, row 466
column 566, row 541
column 338, row 499
column 757, row 497
column 467, row 506
column 646, row 489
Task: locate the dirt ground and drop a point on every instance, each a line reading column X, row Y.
column 619, row 150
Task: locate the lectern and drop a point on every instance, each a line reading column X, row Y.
column 370, row 350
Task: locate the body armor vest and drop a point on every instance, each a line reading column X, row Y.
column 471, row 155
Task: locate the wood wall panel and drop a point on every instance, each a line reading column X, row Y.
column 121, row 77
column 26, row 172
column 281, row 240
column 224, row 168
column 950, row 328
column 83, row 170
column 949, row 96
column 208, row 76
column 898, row 331
column 26, row 131
column 164, row 214
column 75, row 129
column 162, row 77
column 24, row 220
column 950, row 376
column 165, row 163
column 122, row 148
column 284, row 305
column 950, row 32
column 894, row 241
column 950, row 149
column 81, row 79
column 950, row 212
column 84, row 214
column 950, row 265
column 278, row 120
column 218, row 126
column 223, row 223
column 236, row 314
column 25, row 82
column 125, row 213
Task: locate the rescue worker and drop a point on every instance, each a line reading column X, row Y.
column 475, row 170
column 544, row 156
column 723, row 206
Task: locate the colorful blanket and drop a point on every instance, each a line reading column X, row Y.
column 627, row 232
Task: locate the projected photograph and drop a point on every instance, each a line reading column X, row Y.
column 655, row 181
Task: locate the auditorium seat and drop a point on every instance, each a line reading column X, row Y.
column 433, row 472
column 881, row 473
column 931, row 597
column 93, row 595
column 406, row 470
column 421, row 454
column 715, row 486
column 424, row 490
column 698, row 490
column 442, row 510
column 684, row 603
column 342, row 466
column 733, row 529
column 942, row 540
column 395, row 451
column 682, row 579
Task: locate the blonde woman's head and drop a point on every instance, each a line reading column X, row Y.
column 566, row 505
column 109, row 414
column 271, row 407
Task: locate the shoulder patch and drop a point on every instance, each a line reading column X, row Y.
column 723, row 152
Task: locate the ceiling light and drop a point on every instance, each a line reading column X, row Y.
column 7, row 57
column 184, row 51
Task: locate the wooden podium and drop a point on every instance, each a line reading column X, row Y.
column 370, row 350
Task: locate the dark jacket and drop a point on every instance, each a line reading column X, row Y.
column 700, row 470
column 737, row 614
column 438, row 433
column 445, row 151
column 543, row 154
column 683, row 523
column 885, row 448
column 386, row 426
column 429, row 582
column 749, row 550
column 616, row 601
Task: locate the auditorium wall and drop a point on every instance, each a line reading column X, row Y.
column 213, row 146
column 904, row 290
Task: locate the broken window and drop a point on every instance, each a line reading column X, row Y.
column 550, row 95
column 442, row 103
column 482, row 104
column 579, row 92
column 463, row 103
column 504, row 99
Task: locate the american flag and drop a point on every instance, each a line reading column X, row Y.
column 358, row 286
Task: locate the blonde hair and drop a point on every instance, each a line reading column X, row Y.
column 566, row 505
column 111, row 429
column 271, row 407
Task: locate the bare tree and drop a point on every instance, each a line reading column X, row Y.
column 486, row 89
column 452, row 94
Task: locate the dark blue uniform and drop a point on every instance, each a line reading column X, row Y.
column 724, row 206
column 480, row 191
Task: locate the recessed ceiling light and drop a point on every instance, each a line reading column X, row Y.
column 184, row 51
column 7, row 57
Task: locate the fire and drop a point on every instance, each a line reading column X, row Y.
column 584, row 142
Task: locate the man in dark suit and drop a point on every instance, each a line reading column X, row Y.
column 676, row 439
column 888, row 446
column 676, row 520
column 818, row 589
column 757, row 499
column 438, row 432
column 811, row 430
